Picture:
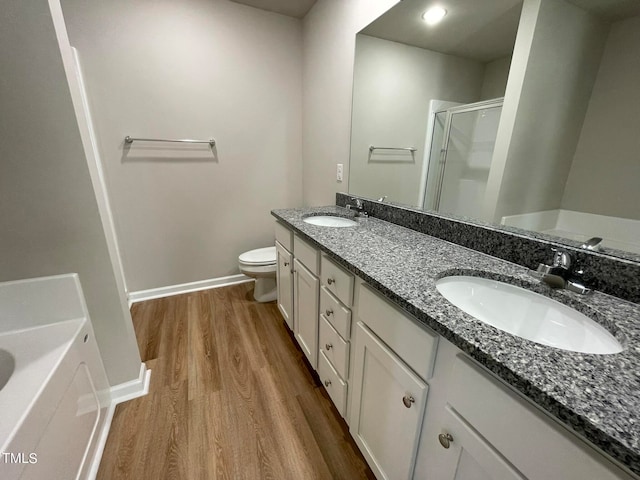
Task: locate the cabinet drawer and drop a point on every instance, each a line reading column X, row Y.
column 337, row 314
column 284, row 236
column 416, row 345
column 334, row 347
column 335, row 386
column 527, row 429
column 337, row 280
column 306, row 254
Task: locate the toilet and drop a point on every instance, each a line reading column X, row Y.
column 261, row 265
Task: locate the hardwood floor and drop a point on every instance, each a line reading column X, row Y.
column 231, row 398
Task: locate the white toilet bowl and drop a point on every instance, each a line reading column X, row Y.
column 261, row 265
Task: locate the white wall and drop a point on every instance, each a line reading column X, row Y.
column 393, row 84
column 192, row 69
column 496, row 74
column 546, row 103
column 49, row 218
column 605, row 174
column 329, row 31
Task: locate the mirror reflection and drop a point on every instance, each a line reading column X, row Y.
column 516, row 113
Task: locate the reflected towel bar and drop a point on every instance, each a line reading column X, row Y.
column 129, row 139
column 410, row 149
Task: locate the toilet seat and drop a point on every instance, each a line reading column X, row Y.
column 259, row 257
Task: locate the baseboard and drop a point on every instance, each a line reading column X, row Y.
column 119, row 393
column 133, row 388
column 160, row 292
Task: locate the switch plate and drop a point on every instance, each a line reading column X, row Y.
column 339, row 171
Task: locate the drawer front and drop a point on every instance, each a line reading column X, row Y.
column 306, row 254
column 337, row 280
column 336, row 387
column 415, row 344
column 284, row 236
column 334, row 347
column 337, row 314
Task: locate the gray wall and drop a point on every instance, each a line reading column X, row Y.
column 49, row 217
column 192, row 69
column 496, row 74
column 605, row 174
column 559, row 74
column 329, row 31
column 393, row 84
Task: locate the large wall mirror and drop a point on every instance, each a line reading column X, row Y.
column 518, row 113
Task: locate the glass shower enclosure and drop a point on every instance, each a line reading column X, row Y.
column 462, row 143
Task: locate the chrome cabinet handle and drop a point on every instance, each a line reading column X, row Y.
column 327, row 383
column 286, row 264
column 408, row 400
column 328, row 347
column 328, row 312
column 445, row 439
column 330, row 281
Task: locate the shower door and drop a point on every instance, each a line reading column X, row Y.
column 459, row 180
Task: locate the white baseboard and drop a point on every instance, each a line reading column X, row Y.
column 119, row 393
column 160, row 292
column 133, row 388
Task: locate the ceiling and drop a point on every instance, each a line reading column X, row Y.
column 481, row 31
column 291, row 8
column 611, row 10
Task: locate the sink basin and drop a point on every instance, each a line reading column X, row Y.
column 527, row 314
column 329, row 221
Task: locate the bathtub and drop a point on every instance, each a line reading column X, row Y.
column 55, row 397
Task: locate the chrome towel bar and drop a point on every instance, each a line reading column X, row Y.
column 410, row 149
column 129, row 140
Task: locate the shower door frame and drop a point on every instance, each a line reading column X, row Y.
column 442, row 159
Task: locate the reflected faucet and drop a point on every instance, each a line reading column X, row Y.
column 562, row 273
column 358, row 207
column 593, row 244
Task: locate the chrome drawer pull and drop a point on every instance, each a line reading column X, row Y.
column 330, row 281
column 328, row 347
column 328, row 312
column 327, row 383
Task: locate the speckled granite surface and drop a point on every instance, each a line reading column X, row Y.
column 598, row 396
column 612, row 271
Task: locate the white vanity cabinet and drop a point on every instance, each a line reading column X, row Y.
column 478, row 428
column 284, row 278
column 306, row 292
column 416, row 405
column 334, row 320
column 284, row 272
column 392, row 360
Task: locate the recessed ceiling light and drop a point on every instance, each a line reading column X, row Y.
column 434, row 15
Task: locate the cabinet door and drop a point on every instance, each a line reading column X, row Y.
column 466, row 455
column 386, row 409
column 306, row 293
column 285, row 284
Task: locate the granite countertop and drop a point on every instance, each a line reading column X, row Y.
column 597, row 396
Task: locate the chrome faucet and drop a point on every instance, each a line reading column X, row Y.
column 358, row 207
column 592, row 244
column 562, row 273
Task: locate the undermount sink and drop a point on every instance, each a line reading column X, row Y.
column 527, row 314
column 329, row 221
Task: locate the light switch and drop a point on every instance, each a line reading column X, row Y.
column 339, row 171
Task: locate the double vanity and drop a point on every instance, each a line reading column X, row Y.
column 448, row 363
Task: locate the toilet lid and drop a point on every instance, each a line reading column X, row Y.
column 260, row 256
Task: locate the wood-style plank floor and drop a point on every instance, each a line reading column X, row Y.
column 230, row 398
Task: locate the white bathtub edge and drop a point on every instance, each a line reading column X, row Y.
column 119, row 393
